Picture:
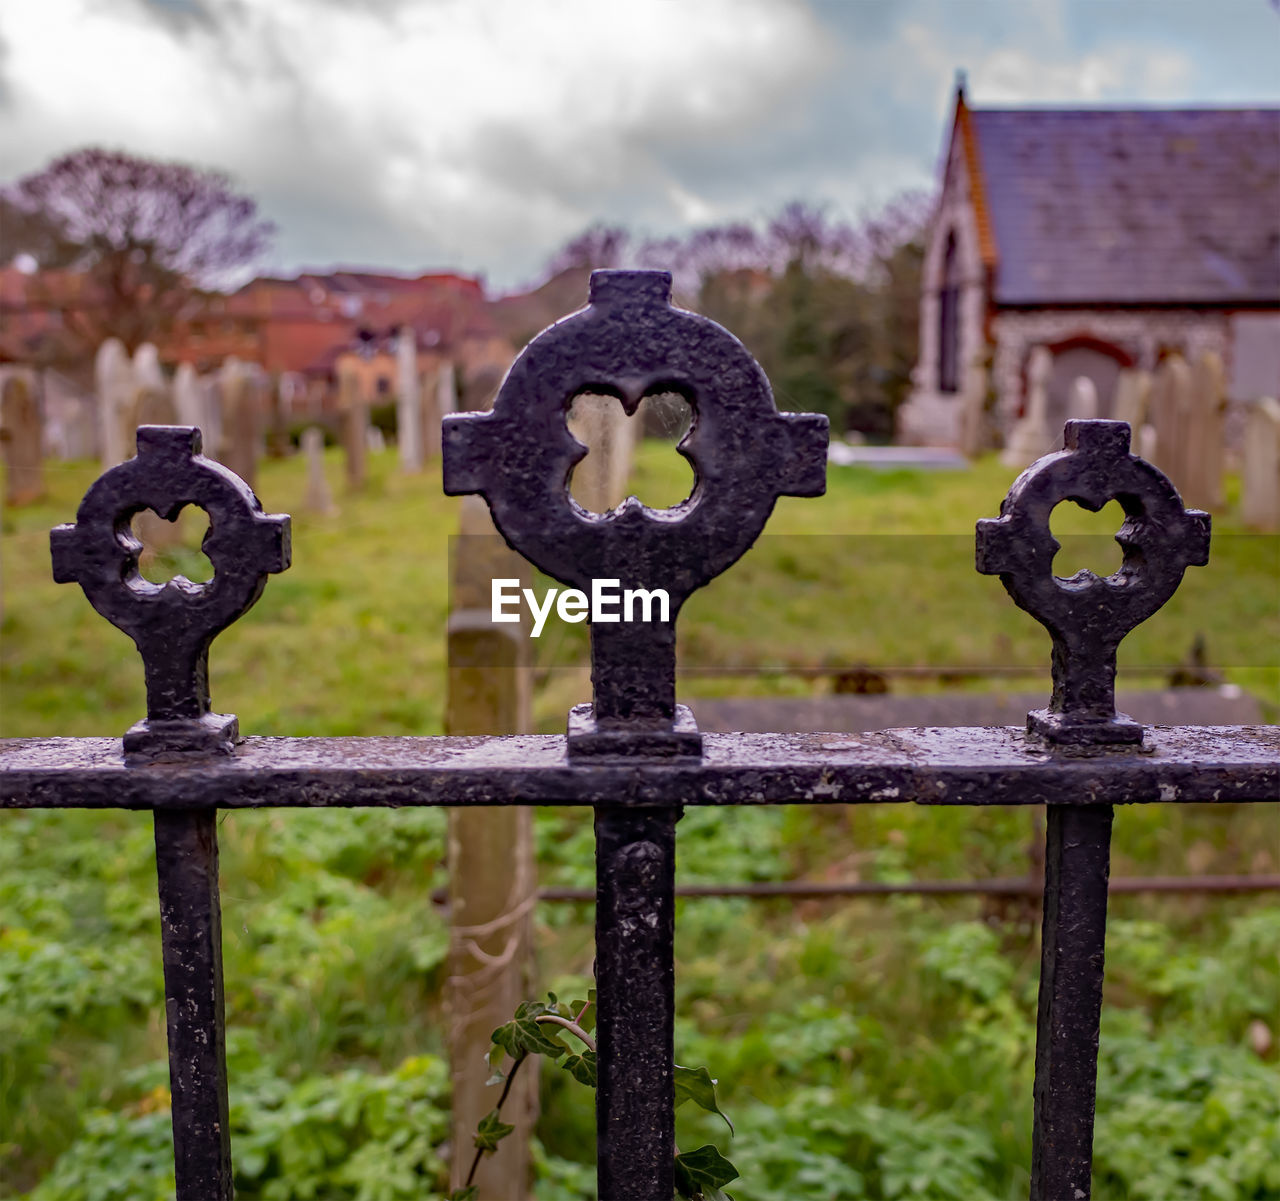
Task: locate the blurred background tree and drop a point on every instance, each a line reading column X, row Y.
column 829, row 308
column 140, row 240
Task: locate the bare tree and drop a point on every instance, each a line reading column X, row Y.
column 147, row 238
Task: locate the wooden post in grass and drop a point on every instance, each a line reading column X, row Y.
column 492, row 881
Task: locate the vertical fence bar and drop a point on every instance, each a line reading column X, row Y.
column 635, row 979
column 191, row 933
column 1077, row 865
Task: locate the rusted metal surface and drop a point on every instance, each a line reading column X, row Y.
column 634, row 755
column 1087, row 616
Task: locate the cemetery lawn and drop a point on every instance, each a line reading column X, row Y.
column 875, row 1049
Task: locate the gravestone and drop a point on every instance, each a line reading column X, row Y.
column 1169, row 417
column 319, row 498
column 599, row 481
column 116, row 388
column 188, row 400
column 1129, row 401
column 446, row 390
column 21, row 439
column 1032, row 436
column 1082, row 400
column 431, row 414
column 240, row 421
column 1204, row 446
column 408, row 402
column 974, row 434
column 1260, row 477
column 355, row 428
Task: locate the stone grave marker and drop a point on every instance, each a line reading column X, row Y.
column 1204, row 446
column 1083, row 399
column 116, row 389
column 1129, row 401
column 319, row 498
column 1031, row 436
column 21, row 439
column 188, row 400
column 1260, row 477
column 240, row 421
column 355, row 428
column 408, row 402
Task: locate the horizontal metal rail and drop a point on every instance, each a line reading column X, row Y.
column 943, row 766
column 1000, row 886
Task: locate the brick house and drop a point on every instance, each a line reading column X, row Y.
column 1111, row 236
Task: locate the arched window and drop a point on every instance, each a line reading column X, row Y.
column 949, row 322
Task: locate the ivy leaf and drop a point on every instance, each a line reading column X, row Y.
column 470, row 1193
column 494, row 1058
column 587, row 1009
column 491, row 1131
column 582, row 1067
column 523, row 1036
column 696, row 1085
column 700, row 1173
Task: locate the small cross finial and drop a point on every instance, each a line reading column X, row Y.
column 1088, row 616
column 172, row 624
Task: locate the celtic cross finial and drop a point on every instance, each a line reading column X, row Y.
column 172, row 624
column 629, row 342
column 1086, row 615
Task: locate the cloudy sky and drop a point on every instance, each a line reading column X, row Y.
column 480, row 134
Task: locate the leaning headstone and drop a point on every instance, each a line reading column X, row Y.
column 1083, row 399
column 21, row 439
column 188, row 401
column 355, row 428
column 408, row 402
column 240, row 436
column 1260, row 476
column 116, row 388
column 1032, row 436
column 431, row 415
column 319, row 498
column 1129, row 401
column 1203, row 447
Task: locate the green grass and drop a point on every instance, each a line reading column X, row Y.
column 870, row 1049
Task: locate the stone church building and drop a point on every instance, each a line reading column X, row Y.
column 1110, row 236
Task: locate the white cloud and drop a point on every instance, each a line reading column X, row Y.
column 1052, row 72
column 474, row 132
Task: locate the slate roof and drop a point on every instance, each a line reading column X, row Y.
column 1133, row 206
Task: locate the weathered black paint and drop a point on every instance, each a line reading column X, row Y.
column 630, row 342
column 172, row 624
column 635, row 755
column 1087, row 616
column 635, row 929
column 1074, row 930
column 191, row 937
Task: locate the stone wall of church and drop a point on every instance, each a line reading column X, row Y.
column 1141, row 334
column 930, row 417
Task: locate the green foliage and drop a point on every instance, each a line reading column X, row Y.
column 866, row 1050
column 354, row 1136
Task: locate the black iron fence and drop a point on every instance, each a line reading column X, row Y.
column 634, row 755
